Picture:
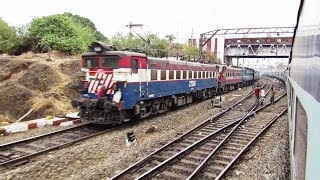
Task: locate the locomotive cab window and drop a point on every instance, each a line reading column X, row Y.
column 90, row 62
column 110, row 62
column 134, row 65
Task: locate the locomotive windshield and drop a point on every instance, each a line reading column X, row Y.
column 90, row 62
column 105, row 62
column 110, row 61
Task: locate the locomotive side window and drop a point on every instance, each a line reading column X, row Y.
column 134, row 65
column 199, row 74
column 110, row 62
column 190, row 74
column 90, row 62
column 154, row 75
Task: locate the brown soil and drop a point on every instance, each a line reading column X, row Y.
column 31, row 81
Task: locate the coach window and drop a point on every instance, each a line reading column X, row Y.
column 178, row 74
column 134, row 65
column 171, row 74
column 199, row 74
column 300, row 139
column 163, row 74
column 154, row 75
column 190, row 74
column 184, row 74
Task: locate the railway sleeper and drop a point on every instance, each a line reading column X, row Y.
column 183, row 168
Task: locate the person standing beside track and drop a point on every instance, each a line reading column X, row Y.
column 272, row 95
column 262, row 95
column 257, row 92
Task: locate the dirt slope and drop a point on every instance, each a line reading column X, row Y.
column 31, row 81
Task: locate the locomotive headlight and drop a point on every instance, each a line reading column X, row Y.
column 97, row 49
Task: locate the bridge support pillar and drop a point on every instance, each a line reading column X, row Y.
column 228, row 60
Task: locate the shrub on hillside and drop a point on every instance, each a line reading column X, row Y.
column 59, row 32
column 6, row 37
column 85, row 22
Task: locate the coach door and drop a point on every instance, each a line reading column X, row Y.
column 139, row 70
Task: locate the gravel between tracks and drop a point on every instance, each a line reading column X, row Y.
column 107, row 155
column 269, row 157
column 30, row 133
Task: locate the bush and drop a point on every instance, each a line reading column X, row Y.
column 85, row 22
column 59, row 32
column 6, row 37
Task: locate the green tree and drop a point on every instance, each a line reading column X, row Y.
column 85, row 22
column 6, row 37
column 158, row 47
column 211, row 58
column 59, row 32
column 21, row 41
column 170, row 37
column 191, row 52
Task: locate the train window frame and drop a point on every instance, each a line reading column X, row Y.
column 199, row 74
column 154, row 75
column 134, row 66
column 184, row 74
column 190, row 74
column 195, row 75
column 163, row 75
column 85, row 62
column 171, row 75
column 111, row 62
column 178, row 74
column 298, row 152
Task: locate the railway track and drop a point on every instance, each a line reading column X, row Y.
column 179, row 155
column 21, row 151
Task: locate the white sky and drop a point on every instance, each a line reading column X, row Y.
column 160, row 17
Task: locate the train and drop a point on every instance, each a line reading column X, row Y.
column 302, row 79
column 123, row 85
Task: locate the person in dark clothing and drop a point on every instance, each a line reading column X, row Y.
column 257, row 92
column 272, row 93
column 102, row 92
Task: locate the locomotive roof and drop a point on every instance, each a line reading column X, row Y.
column 115, row 53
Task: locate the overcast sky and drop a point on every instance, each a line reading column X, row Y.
column 160, row 17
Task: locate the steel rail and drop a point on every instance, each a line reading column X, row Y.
column 42, row 135
column 176, row 156
column 26, row 157
column 251, row 142
column 202, row 165
column 181, row 136
column 121, row 174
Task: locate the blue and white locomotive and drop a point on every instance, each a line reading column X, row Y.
column 120, row 85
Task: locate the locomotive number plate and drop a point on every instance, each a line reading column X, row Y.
column 192, row 83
